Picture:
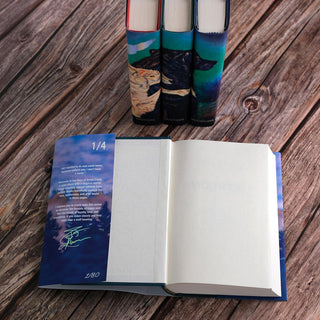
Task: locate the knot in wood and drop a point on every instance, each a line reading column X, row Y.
column 24, row 35
column 75, row 68
column 251, row 104
column 48, row 169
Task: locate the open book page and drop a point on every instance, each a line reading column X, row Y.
column 223, row 227
column 137, row 252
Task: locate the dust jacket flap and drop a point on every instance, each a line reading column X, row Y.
column 76, row 240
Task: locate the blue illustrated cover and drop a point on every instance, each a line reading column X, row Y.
column 144, row 75
column 78, row 220
column 176, row 75
column 208, row 60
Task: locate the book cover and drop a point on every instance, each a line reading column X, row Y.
column 176, row 57
column 208, row 60
column 176, row 75
column 144, row 71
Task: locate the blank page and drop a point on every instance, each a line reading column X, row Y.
column 177, row 15
column 211, row 15
column 223, row 225
column 138, row 237
column 143, row 15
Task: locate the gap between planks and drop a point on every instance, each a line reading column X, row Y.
column 23, row 16
column 22, row 137
column 169, row 129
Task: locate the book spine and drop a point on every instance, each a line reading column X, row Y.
column 144, row 75
column 176, row 75
column 208, row 60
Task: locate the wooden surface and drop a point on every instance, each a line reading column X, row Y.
column 63, row 71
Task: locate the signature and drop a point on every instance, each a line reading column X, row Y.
column 72, row 238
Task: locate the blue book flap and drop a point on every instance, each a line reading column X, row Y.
column 76, row 240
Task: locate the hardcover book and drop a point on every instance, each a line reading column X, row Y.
column 177, row 44
column 211, row 29
column 143, row 38
column 158, row 217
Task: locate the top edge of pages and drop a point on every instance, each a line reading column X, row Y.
column 176, row 53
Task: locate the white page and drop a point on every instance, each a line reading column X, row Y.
column 223, row 215
column 138, row 237
column 143, row 15
column 211, row 15
column 177, row 15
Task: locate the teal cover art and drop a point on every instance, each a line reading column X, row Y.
column 144, row 75
column 208, row 60
column 76, row 240
column 176, row 75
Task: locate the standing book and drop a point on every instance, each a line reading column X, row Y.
column 211, row 30
column 158, row 217
column 143, row 37
column 176, row 57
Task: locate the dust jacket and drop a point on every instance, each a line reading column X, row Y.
column 208, row 61
column 144, row 61
column 176, row 58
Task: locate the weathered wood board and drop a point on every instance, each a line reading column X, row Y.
column 64, row 72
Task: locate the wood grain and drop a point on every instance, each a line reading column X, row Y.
column 23, row 43
column 12, row 12
column 61, row 66
column 83, row 117
column 37, row 99
column 74, row 81
column 33, row 171
column 301, row 171
column 244, row 76
column 244, row 16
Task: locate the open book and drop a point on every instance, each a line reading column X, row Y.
column 159, row 217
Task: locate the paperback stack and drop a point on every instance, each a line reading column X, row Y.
column 176, row 53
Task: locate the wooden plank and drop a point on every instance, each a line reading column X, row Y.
column 23, row 182
column 12, row 12
column 244, row 86
column 82, row 42
column 195, row 308
column 91, row 102
column 45, row 91
column 26, row 40
column 301, row 170
column 301, row 180
column 301, row 183
column 244, row 16
column 115, row 305
column 44, row 135
column 104, row 86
